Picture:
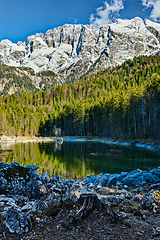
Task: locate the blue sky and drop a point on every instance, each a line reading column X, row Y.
column 21, row 18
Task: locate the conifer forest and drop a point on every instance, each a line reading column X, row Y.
column 123, row 102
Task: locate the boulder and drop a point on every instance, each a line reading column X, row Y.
column 16, row 220
column 156, row 172
column 18, row 180
column 149, row 177
column 89, row 179
column 134, row 178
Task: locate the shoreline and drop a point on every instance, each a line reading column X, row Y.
column 152, row 146
column 30, row 203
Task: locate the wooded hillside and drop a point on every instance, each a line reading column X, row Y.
column 123, row 102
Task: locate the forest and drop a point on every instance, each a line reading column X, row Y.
column 123, row 102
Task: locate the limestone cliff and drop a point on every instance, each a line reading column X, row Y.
column 72, row 50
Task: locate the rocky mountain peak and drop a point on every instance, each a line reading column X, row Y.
column 72, row 50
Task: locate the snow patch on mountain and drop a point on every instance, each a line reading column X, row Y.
column 75, row 49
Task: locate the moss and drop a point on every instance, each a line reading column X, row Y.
column 66, row 204
column 52, row 211
column 40, row 236
column 108, row 218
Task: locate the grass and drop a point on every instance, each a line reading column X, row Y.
column 40, row 236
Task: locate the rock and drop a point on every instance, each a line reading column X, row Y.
column 15, row 179
column 79, row 48
column 134, row 178
column 32, row 167
column 119, row 184
column 101, row 180
column 17, row 209
column 124, row 194
column 74, row 198
column 48, row 185
column 126, row 201
column 156, row 172
column 34, row 206
column 148, row 202
column 42, row 189
column 89, row 179
column 141, row 190
column 69, row 182
column 113, row 200
column 112, row 180
column 3, row 165
column 55, row 179
column 122, row 214
column 149, row 177
column 155, row 186
column 137, row 198
column 45, row 178
column 17, row 221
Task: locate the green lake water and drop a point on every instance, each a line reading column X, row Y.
column 77, row 159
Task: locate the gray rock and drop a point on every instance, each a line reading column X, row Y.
column 137, row 198
column 69, row 182
column 141, row 190
column 16, row 221
column 123, row 175
column 35, row 176
column 147, row 202
column 15, row 164
column 119, row 184
column 89, row 179
column 112, row 180
column 113, row 199
column 48, row 185
column 122, row 214
column 126, row 201
column 74, row 198
column 32, row 167
column 18, row 180
column 42, row 189
column 102, row 180
column 156, row 172
column 149, row 177
column 155, row 186
column 134, row 178
column 45, row 178
column 55, row 179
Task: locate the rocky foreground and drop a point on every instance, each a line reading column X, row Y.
column 110, row 206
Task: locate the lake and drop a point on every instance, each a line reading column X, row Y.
column 78, row 159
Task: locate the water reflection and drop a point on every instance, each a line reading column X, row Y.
column 77, row 159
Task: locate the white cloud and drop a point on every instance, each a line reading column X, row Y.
column 107, row 14
column 155, row 5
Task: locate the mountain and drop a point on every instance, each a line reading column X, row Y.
column 16, row 79
column 72, row 50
